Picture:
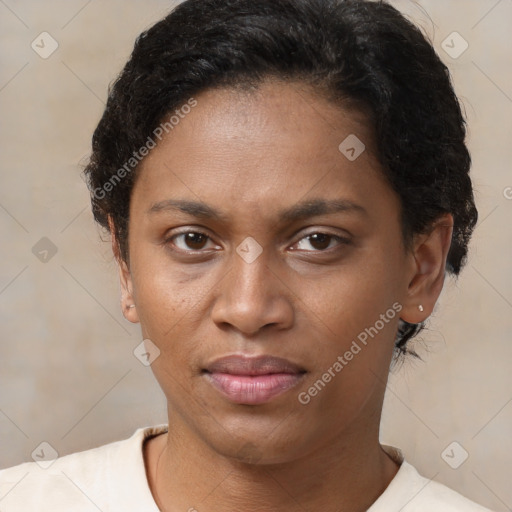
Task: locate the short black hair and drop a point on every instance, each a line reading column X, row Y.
column 356, row 51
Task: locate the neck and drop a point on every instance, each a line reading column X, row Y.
column 348, row 473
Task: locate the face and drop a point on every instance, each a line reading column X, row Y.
column 254, row 238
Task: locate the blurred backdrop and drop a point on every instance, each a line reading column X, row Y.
column 68, row 375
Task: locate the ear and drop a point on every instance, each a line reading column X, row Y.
column 428, row 267
column 127, row 297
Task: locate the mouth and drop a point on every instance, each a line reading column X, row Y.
column 253, row 380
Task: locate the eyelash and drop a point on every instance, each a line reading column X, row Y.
column 341, row 241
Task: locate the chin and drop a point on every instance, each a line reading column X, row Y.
column 255, row 446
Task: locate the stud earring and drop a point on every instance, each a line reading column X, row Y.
column 420, row 307
column 131, row 306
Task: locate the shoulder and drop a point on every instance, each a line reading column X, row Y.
column 432, row 494
column 82, row 481
column 409, row 491
column 30, row 485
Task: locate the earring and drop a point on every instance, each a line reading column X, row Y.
column 131, row 306
column 420, row 307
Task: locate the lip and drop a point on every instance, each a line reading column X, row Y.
column 253, row 380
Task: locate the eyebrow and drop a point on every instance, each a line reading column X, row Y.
column 300, row 211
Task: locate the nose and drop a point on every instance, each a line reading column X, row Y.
column 253, row 296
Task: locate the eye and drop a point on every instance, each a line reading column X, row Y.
column 192, row 241
column 320, row 242
column 188, row 241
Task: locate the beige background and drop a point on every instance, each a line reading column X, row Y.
column 67, row 372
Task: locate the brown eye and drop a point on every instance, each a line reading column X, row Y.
column 320, row 242
column 194, row 240
column 190, row 241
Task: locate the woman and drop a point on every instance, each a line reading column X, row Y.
column 286, row 184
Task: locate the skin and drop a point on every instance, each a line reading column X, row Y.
column 251, row 155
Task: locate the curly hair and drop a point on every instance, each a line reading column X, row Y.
column 357, row 51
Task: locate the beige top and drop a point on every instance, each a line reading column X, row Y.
column 112, row 478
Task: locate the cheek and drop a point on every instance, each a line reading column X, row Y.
column 352, row 358
column 356, row 309
column 353, row 297
column 166, row 307
column 164, row 294
column 163, row 307
column 173, row 308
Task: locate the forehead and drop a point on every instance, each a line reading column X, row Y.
column 279, row 141
column 276, row 115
